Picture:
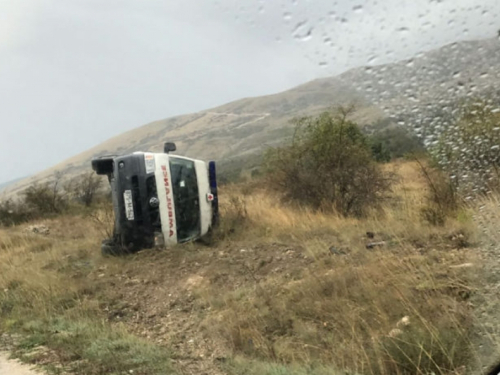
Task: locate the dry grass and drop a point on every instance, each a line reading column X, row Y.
column 48, row 298
column 343, row 309
column 336, row 308
column 400, row 218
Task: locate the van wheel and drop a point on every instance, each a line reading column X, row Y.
column 208, row 239
column 110, row 248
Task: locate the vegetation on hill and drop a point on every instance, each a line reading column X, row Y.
column 328, row 165
column 331, row 279
column 54, row 197
column 284, row 289
column 469, row 150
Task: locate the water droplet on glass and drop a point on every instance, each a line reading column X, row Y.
column 299, row 25
column 358, row 8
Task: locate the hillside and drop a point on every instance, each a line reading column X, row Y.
column 419, row 93
column 5, row 185
column 282, row 290
column 422, row 92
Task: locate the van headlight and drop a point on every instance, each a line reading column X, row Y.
column 154, row 202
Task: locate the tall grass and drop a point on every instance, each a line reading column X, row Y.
column 344, row 310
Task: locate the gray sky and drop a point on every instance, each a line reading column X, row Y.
column 75, row 73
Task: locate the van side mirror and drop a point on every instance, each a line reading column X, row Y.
column 169, row 147
column 103, row 165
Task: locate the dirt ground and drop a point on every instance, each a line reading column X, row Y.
column 158, row 294
column 13, row 367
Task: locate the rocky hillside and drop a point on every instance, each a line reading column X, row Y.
column 417, row 92
column 422, row 92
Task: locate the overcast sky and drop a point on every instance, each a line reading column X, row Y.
column 75, row 73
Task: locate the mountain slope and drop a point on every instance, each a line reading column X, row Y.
column 232, row 130
column 5, row 185
column 413, row 92
column 422, row 92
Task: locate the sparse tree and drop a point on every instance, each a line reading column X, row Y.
column 85, row 188
column 46, row 198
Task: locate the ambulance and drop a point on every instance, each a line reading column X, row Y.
column 159, row 199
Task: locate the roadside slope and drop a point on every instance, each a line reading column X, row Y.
column 281, row 288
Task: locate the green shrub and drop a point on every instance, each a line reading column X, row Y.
column 394, row 142
column 328, row 165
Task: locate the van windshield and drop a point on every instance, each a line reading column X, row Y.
column 186, row 198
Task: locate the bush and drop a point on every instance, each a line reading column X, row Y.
column 328, row 165
column 47, row 199
column 13, row 213
column 469, row 150
column 442, row 197
column 86, row 188
column 37, row 201
column 394, row 142
column 43, row 200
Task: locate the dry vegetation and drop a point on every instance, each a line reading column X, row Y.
column 282, row 290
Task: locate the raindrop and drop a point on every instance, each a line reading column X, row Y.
column 358, row 8
column 298, row 26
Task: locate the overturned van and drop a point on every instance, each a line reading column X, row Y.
column 159, row 199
